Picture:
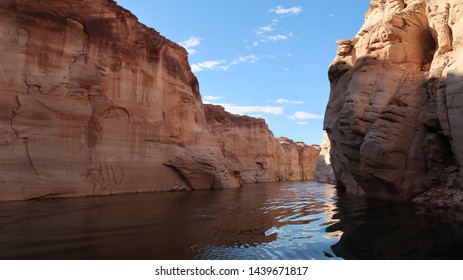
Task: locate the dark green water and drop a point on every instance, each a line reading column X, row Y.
column 268, row 221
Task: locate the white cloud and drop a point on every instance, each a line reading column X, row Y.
column 245, row 110
column 301, row 115
column 302, row 123
column 270, row 33
column 288, row 101
column 267, row 28
column 277, row 37
column 190, row 43
column 285, row 69
column 211, row 98
column 223, row 65
column 280, row 10
column 249, row 59
column 211, row 65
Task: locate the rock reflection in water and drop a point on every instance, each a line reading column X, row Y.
column 271, row 221
column 384, row 230
column 265, row 221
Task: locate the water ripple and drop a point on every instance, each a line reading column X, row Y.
column 301, row 220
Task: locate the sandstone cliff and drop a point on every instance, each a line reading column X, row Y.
column 249, row 144
column 93, row 102
column 394, row 114
column 324, row 172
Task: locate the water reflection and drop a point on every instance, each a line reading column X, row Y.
column 383, row 230
column 271, row 221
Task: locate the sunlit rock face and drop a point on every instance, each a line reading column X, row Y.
column 299, row 160
column 249, row 144
column 394, row 114
column 324, row 171
column 93, row 102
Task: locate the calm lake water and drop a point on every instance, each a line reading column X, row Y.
column 302, row 220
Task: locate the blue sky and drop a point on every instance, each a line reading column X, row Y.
column 266, row 59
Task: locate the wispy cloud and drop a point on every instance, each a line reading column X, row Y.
column 223, row 65
column 288, row 101
column 211, row 65
column 190, row 43
column 251, row 110
column 331, row 15
column 302, row 123
column 235, row 109
column 276, row 38
column 266, row 28
column 280, row 10
column 301, row 115
column 211, row 98
column 270, row 33
column 252, row 58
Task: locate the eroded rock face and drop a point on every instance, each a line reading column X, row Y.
column 249, row 144
column 300, row 160
column 324, row 172
column 93, row 102
column 394, row 114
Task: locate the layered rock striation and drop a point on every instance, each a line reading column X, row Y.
column 93, row 102
column 249, row 144
column 394, row 113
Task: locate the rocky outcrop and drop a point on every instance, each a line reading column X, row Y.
column 93, row 102
column 394, row 114
column 249, row 144
column 324, row 172
column 299, row 159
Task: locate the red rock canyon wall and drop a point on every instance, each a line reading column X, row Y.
column 94, row 102
column 394, row 113
column 249, row 144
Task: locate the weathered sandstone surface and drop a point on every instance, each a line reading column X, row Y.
column 249, row 144
column 94, row 102
column 394, row 116
column 324, row 172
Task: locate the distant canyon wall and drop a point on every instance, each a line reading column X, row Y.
column 249, row 144
column 394, row 117
column 324, row 172
column 94, row 102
